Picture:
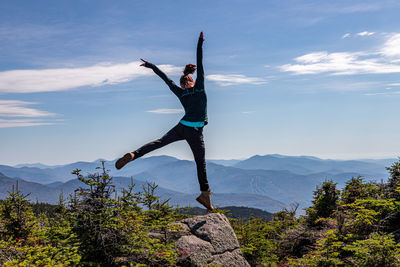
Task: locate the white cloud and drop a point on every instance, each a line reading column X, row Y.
column 346, row 35
column 4, row 123
column 392, row 46
column 312, row 57
column 47, row 80
column 347, row 63
column 358, row 8
column 166, row 111
column 394, row 84
column 365, row 33
column 16, row 108
column 233, row 79
column 384, row 93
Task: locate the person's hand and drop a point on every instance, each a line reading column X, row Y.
column 201, row 36
column 144, row 62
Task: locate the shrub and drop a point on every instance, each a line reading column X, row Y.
column 356, row 188
column 114, row 230
column 325, row 202
column 16, row 216
column 34, row 241
column 378, row 250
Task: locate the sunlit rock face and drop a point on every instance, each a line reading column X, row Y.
column 208, row 239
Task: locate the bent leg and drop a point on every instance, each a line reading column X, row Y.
column 175, row 134
column 194, row 136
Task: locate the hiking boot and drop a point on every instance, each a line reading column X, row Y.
column 205, row 199
column 123, row 161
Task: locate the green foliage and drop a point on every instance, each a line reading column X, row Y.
column 394, row 180
column 369, row 215
column 34, row 241
column 114, row 230
column 358, row 226
column 16, row 216
column 34, row 252
column 259, row 239
column 327, row 252
column 356, row 188
column 97, row 227
column 324, row 203
column 378, row 250
column 255, row 241
column 94, row 223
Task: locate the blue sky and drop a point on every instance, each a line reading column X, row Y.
column 314, row 78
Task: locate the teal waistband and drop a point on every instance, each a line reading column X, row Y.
column 192, row 123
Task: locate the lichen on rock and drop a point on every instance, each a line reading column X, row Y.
column 208, row 240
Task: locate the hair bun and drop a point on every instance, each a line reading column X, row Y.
column 189, row 69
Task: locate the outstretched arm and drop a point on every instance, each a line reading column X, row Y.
column 200, row 70
column 174, row 88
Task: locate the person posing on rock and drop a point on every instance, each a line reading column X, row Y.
column 193, row 98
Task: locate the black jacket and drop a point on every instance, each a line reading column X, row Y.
column 193, row 99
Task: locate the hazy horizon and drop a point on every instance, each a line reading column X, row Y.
column 191, row 159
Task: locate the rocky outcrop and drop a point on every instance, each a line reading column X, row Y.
column 208, row 240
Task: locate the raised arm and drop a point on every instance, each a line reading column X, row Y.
column 200, row 70
column 174, row 88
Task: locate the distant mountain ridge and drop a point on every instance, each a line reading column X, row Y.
column 63, row 173
column 283, row 186
column 38, row 172
column 34, row 165
column 285, row 179
column 308, row 164
column 50, row 194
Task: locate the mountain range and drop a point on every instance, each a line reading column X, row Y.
column 50, row 193
column 267, row 182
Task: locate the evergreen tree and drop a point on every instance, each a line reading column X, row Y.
column 394, row 180
column 16, row 215
column 324, row 203
column 114, row 230
column 93, row 212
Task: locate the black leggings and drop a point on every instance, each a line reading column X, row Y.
column 194, row 137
